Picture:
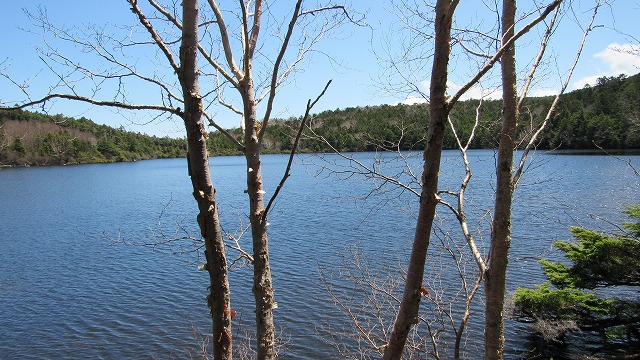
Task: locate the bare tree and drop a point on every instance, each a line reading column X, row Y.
column 439, row 111
column 230, row 60
column 527, row 141
column 199, row 170
column 507, row 178
column 439, row 108
column 501, row 227
column 243, row 80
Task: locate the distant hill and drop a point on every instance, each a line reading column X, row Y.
column 31, row 138
column 606, row 115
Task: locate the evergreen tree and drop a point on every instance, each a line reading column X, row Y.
column 608, row 263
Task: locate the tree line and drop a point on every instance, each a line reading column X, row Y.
column 32, row 138
column 606, row 115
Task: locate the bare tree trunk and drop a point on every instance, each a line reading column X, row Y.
column 203, row 189
column 501, row 227
column 439, row 112
column 262, row 285
column 241, row 78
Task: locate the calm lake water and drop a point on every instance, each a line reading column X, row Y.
column 69, row 287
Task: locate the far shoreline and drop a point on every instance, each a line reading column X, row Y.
column 559, row 152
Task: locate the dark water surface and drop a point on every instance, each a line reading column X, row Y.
column 69, row 289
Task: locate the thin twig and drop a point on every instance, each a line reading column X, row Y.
column 520, row 169
column 276, row 69
column 500, row 51
column 293, row 150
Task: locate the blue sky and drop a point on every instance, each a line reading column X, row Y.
column 354, row 57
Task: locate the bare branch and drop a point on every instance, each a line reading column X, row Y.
column 239, row 249
column 276, row 69
column 96, row 45
column 96, row 102
column 23, row 87
column 626, row 161
column 460, row 212
column 154, row 34
column 217, row 66
column 104, row 54
column 164, row 12
column 252, row 40
column 221, row 100
column 499, row 53
column 536, row 62
column 224, row 35
column 467, row 313
column 366, row 171
column 334, row 7
column 228, row 135
column 282, row 76
column 471, row 51
column 532, row 141
column 244, row 33
column 294, row 148
column 367, row 307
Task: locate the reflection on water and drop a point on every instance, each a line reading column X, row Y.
column 67, row 290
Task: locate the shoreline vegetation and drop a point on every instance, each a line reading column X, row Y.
column 605, row 116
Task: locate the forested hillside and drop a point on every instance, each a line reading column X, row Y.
column 29, row 138
column 606, row 115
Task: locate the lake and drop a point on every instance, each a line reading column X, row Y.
column 72, row 285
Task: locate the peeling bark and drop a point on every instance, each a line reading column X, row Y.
column 203, row 190
column 262, row 284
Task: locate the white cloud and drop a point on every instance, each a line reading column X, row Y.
column 621, row 58
column 412, row 100
column 476, row 92
column 590, row 80
column 544, row 92
column 618, row 59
